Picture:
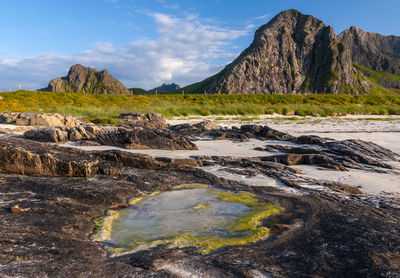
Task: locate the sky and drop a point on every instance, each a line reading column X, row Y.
column 145, row 43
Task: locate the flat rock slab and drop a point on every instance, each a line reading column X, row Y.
column 50, row 196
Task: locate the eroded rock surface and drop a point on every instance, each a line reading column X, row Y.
column 129, row 138
column 38, row 119
column 50, row 196
column 371, row 50
column 150, row 120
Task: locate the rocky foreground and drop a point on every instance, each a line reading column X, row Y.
column 50, row 195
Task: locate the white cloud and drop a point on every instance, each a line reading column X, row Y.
column 185, row 51
column 261, row 17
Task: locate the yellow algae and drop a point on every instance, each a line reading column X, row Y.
column 190, row 186
column 104, row 226
column 201, row 206
column 241, row 197
column 134, row 201
column 242, row 230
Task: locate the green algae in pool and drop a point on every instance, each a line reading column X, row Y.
column 190, row 215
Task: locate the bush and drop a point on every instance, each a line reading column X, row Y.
column 106, row 121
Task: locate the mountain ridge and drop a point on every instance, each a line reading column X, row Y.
column 297, row 53
column 166, row 87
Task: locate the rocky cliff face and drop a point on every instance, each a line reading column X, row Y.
column 293, row 53
column 371, row 50
column 376, row 52
column 82, row 79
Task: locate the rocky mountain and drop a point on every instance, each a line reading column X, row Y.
column 82, row 79
column 297, row 53
column 371, row 50
column 376, row 52
column 166, row 88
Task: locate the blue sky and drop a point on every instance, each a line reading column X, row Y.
column 147, row 42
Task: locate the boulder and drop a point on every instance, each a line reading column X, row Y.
column 139, row 138
column 47, row 134
column 150, row 120
column 8, row 118
column 130, row 138
column 207, row 125
column 45, row 119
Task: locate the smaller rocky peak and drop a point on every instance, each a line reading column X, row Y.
column 79, row 70
column 81, row 79
column 354, row 29
column 166, row 87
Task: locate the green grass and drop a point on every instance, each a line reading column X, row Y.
column 108, row 121
column 380, row 77
column 90, row 106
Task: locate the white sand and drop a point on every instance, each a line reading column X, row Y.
column 206, row 148
column 384, row 133
column 258, row 180
column 7, row 126
column 368, row 182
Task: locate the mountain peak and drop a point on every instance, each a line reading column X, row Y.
column 290, row 13
column 166, row 87
column 81, row 79
column 293, row 53
column 373, row 51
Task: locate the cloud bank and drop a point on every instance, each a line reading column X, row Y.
column 186, row 50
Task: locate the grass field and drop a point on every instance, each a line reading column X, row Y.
column 107, row 106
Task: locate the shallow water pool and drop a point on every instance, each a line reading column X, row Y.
column 202, row 217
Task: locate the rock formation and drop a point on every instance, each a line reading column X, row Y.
column 166, row 88
column 150, row 120
column 129, row 138
column 376, row 52
column 51, row 197
column 296, row 53
column 371, row 50
column 38, row 119
column 87, row 80
column 293, row 53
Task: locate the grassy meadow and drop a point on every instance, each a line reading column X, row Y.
column 105, row 107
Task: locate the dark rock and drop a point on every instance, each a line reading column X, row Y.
column 59, row 191
column 81, row 79
column 292, row 149
column 130, row 138
column 206, row 125
column 47, row 134
column 150, row 120
column 180, row 161
column 245, row 132
column 306, row 159
column 139, row 138
column 311, row 140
